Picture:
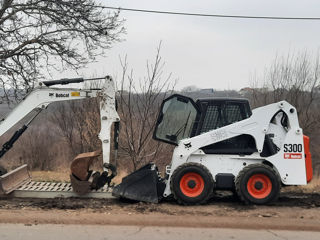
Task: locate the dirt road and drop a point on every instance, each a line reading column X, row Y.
column 84, row 232
column 293, row 211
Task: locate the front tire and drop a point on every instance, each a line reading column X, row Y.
column 192, row 184
column 258, row 184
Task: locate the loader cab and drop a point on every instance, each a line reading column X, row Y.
column 180, row 117
column 176, row 119
column 220, row 112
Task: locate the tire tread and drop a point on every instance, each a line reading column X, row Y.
column 241, row 175
column 177, row 170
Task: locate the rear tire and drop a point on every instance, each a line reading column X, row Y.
column 192, row 184
column 258, row 184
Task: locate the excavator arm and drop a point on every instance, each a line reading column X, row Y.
column 39, row 99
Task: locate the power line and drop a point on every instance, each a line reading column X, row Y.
column 213, row 15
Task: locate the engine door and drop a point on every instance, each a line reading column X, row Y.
column 176, row 119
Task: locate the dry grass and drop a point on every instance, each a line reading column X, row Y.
column 119, row 177
column 50, row 176
column 311, row 187
column 63, row 176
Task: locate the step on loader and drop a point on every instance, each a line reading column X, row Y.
column 220, row 144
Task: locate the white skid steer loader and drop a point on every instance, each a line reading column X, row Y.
column 222, row 144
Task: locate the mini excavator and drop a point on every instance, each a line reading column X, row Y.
column 82, row 178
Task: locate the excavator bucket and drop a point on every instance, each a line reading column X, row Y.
column 80, row 172
column 14, row 179
column 81, row 164
column 142, row 185
column 83, row 180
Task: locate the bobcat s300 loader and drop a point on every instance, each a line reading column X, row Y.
column 221, row 144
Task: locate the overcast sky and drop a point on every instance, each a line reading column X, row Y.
column 211, row 52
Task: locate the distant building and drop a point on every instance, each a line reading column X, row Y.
column 206, row 90
column 246, row 90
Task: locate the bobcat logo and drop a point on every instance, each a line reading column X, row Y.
column 187, row 145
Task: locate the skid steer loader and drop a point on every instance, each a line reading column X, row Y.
column 221, row 144
column 83, row 180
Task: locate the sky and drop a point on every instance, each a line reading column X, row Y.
column 209, row 52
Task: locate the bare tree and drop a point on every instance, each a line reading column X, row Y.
column 37, row 149
column 138, row 106
column 294, row 78
column 38, row 35
column 62, row 119
column 139, row 103
column 77, row 122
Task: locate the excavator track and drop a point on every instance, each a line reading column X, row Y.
column 56, row 190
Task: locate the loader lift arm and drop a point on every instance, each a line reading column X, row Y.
column 42, row 96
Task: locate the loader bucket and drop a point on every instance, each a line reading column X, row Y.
column 142, row 185
column 14, row 179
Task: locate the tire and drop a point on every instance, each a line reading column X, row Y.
column 192, row 184
column 258, row 184
column 2, row 171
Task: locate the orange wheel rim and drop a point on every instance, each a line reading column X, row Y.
column 259, row 186
column 191, row 184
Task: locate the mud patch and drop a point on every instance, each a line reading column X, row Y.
column 220, row 205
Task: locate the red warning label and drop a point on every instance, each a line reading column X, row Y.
column 292, row 155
